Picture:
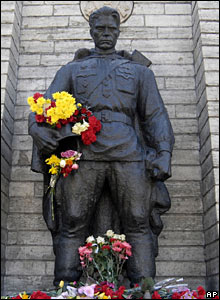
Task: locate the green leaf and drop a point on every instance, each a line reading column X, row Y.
column 59, row 292
column 147, row 284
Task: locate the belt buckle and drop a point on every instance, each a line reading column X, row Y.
column 106, row 116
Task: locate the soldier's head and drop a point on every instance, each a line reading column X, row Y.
column 104, row 27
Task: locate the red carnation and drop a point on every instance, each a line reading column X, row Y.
column 156, row 295
column 17, row 297
column 83, row 110
column 107, row 247
column 76, row 112
column 58, row 125
column 201, row 291
column 176, row 295
column 88, row 136
column 53, row 104
column 39, row 295
column 36, row 96
column 95, row 124
column 39, row 118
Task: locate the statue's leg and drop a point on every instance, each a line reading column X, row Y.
column 131, row 190
column 80, row 192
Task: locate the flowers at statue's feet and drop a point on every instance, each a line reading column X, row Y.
column 105, row 256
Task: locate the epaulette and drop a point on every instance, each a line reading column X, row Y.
column 136, row 56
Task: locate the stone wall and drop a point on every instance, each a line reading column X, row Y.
column 165, row 32
column 10, row 35
column 206, row 56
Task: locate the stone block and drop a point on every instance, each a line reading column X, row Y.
column 7, row 6
column 49, row 268
column 67, row 10
column 185, row 126
column 28, row 283
column 168, row 21
column 37, row 47
column 180, row 269
column 209, row 27
column 22, row 112
column 174, row 33
column 186, row 205
column 44, row 253
column 212, row 251
column 170, row 58
column 211, row 217
column 207, row 165
column 182, row 223
column 26, row 222
column 179, row 97
column 29, row 59
column 186, row 142
column 148, row 8
column 71, row 46
column 210, row 39
column 27, row 204
column 38, row 189
column 213, row 266
column 40, row 238
column 31, row 85
column 178, row 9
column 183, row 189
column 184, row 254
column 21, row 189
column 186, row 173
column 186, row 111
column 139, row 32
column 25, row 174
column 22, row 142
column 208, row 4
column 209, row 14
column 36, row 72
column 37, row 10
column 25, row 267
column 168, row 45
column 171, row 238
column 7, row 17
column 212, row 78
column 213, row 108
column 21, row 127
column 78, row 21
column 185, row 157
column 44, row 22
column 174, row 70
column 179, row 83
column 56, row 60
column 4, row 185
column 134, row 21
column 212, row 234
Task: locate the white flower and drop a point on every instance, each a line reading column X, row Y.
column 117, row 236
column 78, row 128
column 110, row 233
column 90, row 239
column 100, row 240
column 62, row 163
column 122, row 237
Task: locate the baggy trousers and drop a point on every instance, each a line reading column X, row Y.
column 130, row 188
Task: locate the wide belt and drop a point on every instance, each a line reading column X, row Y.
column 107, row 116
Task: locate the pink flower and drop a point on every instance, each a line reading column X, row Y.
column 69, row 153
column 87, row 290
column 116, row 249
column 75, row 167
column 126, row 245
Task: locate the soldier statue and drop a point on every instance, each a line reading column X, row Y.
column 131, row 157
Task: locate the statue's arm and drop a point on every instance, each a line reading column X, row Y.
column 44, row 137
column 155, row 123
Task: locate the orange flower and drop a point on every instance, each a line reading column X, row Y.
column 69, row 162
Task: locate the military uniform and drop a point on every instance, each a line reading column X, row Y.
column 116, row 90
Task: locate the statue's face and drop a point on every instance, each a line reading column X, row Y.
column 105, row 32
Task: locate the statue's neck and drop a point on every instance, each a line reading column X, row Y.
column 105, row 52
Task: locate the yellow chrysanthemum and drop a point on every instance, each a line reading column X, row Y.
column 34, row 107
column 30, row 101
column 41, row 101
column 53, row 171
column 40, row 111
column 53, row 160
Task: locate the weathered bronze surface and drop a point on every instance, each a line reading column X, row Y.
column 120, row 181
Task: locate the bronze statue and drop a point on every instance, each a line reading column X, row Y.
column 120, row 177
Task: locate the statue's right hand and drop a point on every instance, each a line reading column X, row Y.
column 45, row 138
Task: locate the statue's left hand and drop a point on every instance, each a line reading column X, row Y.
column 161, row 166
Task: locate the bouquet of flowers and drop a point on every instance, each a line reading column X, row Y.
column 105, row 256
column 62, row 110
column 64, row 165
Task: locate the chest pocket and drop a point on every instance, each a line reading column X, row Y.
column 125, row 81
column 85, row 81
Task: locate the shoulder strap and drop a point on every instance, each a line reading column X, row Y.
column 114, row 65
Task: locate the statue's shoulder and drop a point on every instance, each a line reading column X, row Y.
column 136, row 57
